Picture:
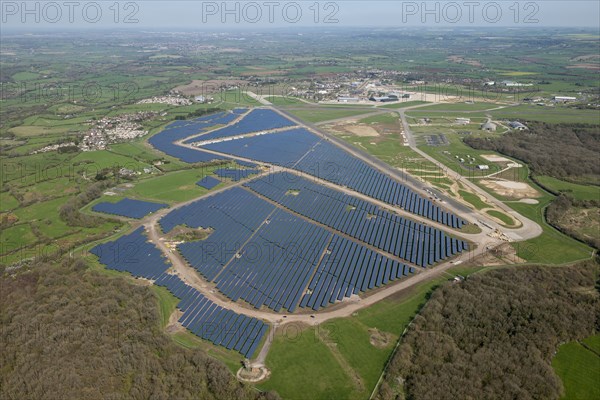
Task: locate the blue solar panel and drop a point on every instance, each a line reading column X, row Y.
column 129, row 208
column 178, row 130
column 301, row 150
column 367, row 223
column 208, row 182
column 258, row 120
column 132, row 253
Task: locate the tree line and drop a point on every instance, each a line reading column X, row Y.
column 68, row 332
column 493, row 336
column 564, row 151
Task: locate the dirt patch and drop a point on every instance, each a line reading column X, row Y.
column 362, row 130
column 379, row 339
column 174, row 326
column 529, row 201
column 253, row 374
column 499, row 255
column 512, row 189
column 495, row 158
column 200, row 87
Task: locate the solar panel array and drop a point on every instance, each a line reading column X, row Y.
column 208, row 182
column 275, row 266
column 132, row 253
column 257, row 120
column 129, row 208
column 266, row 256
column 212, row 322
column 282, row 148
column 301, row 150
column 409, row 240
column 348, row 268
column 178, row 130
column 234, row 215
column 329, row 162
column 235, row 174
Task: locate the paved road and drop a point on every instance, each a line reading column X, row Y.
column 529, row 229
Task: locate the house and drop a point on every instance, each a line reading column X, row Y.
column 516, row 125
column 488, row 126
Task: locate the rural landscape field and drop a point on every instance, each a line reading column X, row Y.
column 322, row 210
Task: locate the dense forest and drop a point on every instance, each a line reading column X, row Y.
column 90, row 336
column 493, row 336
column 564, row 151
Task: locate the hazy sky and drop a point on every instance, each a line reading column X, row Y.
column 264, row 14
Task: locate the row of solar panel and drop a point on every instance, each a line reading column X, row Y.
column 257, row 120
column 348, row 268
column 282, row 148
column 178, row 130
column 212, row 322
column 208, row 182
column 329, row 162
column 233, row 215
column 134, row 254
column 301, row 150
column 129, row 208
column 411, row 241
column 265, row 255
column 274, row 267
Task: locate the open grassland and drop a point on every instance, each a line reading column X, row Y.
column 173, row 187
column 555, row 114
column 577, row 191
column 342, row 358
column 325, row 113
column 578, row 368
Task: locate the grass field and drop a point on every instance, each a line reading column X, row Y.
column 325, row 114
column 302, row 367
column 473, row 199
column 166, row 302
column 388, row 118
column 506, row 220
column 577, row 191
column 405, row 104
column 337, row 360
column 176, row 186
column 578, row 368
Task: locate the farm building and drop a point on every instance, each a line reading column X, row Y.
column 488, row 126
column 483, row 167
column 344, row 99
column 462, row 121
column 516, row 125
column 564, row 98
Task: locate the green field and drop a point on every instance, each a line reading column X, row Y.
column 579, row 369
column 473, row 199
column 325, row 114
column 405, row 104
column 339, row 354
column 577, row 191
column 176, row 186
column 388, row 118
column 506, row 220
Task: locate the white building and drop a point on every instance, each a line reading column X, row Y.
column 564, row 98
